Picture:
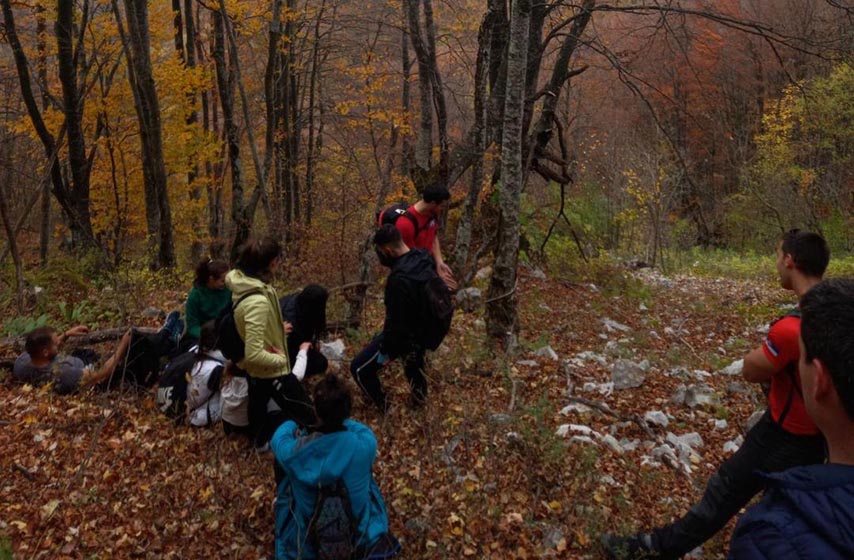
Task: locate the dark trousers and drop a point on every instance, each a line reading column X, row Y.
column 767, row 448
column 288, row 394
column 365, row 368
column 315, row 361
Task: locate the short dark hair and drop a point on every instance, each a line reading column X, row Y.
column 809, row 251
column 332, row 401
column 256, row 255
column 827, row 329
column 38, row 339
column 435, row 193
column 388, row 234
column 209, row 268
column 207, row 337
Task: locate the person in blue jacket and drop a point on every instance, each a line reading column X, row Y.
column 337, row 448
column 808, row 512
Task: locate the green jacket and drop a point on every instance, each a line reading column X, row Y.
column 260, row 325
column 203, row 305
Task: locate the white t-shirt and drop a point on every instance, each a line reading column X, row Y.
column 203, row 404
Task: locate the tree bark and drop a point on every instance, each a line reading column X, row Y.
column 502, row 318
column 424, row 141
column 147, row 107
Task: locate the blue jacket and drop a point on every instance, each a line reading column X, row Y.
column 806, row 512
column 310, row 462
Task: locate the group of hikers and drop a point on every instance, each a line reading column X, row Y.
column 242, row 355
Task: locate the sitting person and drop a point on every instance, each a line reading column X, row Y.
column 336, row 450
column 806, row 511
column 42, row 363
column 305, row 321
column 203, row 393
column 206, row 299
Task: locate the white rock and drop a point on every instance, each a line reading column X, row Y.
column 582, row 439
column 721, row 424
column 657, row 418
column 528, row 363
column 574, row 407
column 700, row 395
column 483, row 273
column 754, row 418
column 469, row 299
column 590, row 356
column 733, row 445
column 612, row 443
column 546, row 352
column 628, row 375
column 614, row 326
column 679, row 395
column 629, row 444
column 642, row 307
column 691, row 439
column 538, row 274
column 734, row 368
column 334, row 351
column 545, row 307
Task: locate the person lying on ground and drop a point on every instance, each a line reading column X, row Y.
column 338, row 453
column 807, row 511
column 406, row 320
column 207, row 298
column 304, row 313
column 259, row 323
column 784, row 437
column 41, row 362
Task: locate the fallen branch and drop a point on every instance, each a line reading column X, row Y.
column 605, row 409
column 28, row 474
column 95, row 337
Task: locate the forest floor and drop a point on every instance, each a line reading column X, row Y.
column 501, row 463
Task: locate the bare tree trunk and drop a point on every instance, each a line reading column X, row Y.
column 424, row 142
column 7, row 152
column 147, row 105
column 466, row 223
column 41, row 49
column 501, row 312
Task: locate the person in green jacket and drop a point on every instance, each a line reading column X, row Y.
column 207, row 298
column 275, row 393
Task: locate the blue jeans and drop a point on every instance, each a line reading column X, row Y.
column 365, row 370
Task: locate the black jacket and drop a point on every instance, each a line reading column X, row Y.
column 404, row 301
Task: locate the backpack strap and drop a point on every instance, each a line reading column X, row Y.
column 790, row 371
column 255, row 292
column 408, row 215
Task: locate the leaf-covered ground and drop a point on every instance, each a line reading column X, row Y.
column 479, row 473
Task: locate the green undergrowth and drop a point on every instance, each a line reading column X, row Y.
column 749, row 265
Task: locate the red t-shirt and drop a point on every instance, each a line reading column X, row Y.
column 782, row 350
column 427, row 227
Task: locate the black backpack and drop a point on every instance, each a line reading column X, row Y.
column 391, row 214
column 228, row 339
column 437, row 312
column 332, row 529
column 172, row 388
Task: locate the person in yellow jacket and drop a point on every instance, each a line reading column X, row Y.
column 276, row 393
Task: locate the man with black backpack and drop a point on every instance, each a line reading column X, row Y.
column 785, row 437
column 419, row 225
column 418, row 316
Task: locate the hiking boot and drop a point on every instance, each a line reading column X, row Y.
column 173, row 326
column 633, row 547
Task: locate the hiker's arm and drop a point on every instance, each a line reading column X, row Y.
column 191, row 310
column 757, row 368
column 442, row 269
column 92, row 376
column 256, row 352
column 78, row 330
column 779, row 349
column 396, row 328
column 284, row 440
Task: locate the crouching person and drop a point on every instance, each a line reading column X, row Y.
column 328, row 504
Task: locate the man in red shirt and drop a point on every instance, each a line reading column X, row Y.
column 784, row 437
column 421, row 224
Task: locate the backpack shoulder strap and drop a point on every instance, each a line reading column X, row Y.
column 408, row 215
column 256, row 292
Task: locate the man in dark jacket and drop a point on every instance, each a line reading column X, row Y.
column 808, row 512
column 400, row 338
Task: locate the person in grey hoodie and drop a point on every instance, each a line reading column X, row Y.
column 276, row 393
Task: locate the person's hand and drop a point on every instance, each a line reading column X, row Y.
column 274, row 350
column 382, row 359
column 447, row 275
column 305, row 346
column 289, row 328
column 78, row 330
